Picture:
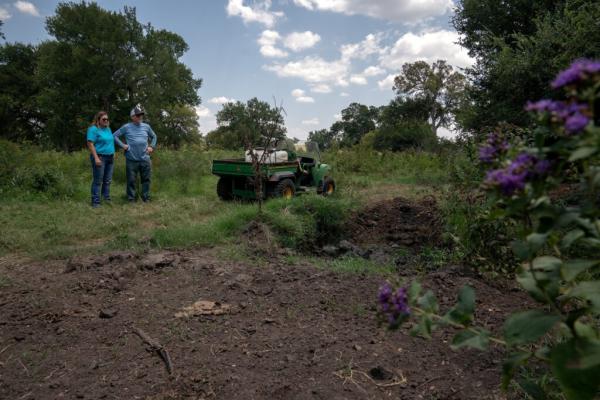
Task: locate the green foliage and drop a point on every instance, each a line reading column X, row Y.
column 520, row 46
column 246, row 124
column 438, row 87
column 404, row 135
column 98, row 60
column 357, row 120
column 20, row 119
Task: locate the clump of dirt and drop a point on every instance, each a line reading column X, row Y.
column 399, row 221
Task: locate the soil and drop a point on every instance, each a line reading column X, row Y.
column 399, row 221
column 231, row 330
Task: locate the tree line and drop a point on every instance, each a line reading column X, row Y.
column 97, row 60
column 108, row 60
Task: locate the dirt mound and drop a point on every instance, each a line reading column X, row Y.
column 398, row 221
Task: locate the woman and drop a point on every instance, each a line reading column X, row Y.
column 101, row 143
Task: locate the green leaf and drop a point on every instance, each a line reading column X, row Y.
column 546, row 263
column 582, row 152
column 528, row 326
column 585, row 331
column 576, row 382
column 532, row 389
column 526, row 280
column 589, row 291
column 521, row 250
column 476, row 340
column 413, row 292
column 462, row 312
column 536, row 241
column 571, row 237
column 423, row 328
column 428, row 302
column 510, row 365
column 572, row 268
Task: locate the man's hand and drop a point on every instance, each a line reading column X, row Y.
column 149, row 150
column 126, row 147
column 98, row 161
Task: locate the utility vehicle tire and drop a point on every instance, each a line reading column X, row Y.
column 328, row 187
column 285, row 189
column 224, row 190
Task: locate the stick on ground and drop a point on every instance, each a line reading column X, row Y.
column 159, row 348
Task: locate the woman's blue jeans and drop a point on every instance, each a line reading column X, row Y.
column 102, row 177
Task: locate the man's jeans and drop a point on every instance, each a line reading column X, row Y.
column 144, row 168
column 102, row 177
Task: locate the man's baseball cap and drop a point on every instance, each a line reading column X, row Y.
column 137, row 110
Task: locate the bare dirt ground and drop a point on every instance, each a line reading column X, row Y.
column 242, row 330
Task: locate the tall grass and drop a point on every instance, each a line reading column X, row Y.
column 45, row 212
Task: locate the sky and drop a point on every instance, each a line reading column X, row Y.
column 313, row 57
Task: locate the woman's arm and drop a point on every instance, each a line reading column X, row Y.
column 92, row 148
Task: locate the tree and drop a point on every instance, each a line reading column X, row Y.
column 323, row 137
column 108, row 60
column 1, row 33
column 437, row 86
column 20, row 119
column 239, row 122
column 404, row 135
column 357, row 120
column 515, row 63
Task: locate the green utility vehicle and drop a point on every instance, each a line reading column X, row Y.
column 298, row 170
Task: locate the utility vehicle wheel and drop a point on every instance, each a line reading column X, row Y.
column 285, row 189
column 224, row 190
column 328, row 187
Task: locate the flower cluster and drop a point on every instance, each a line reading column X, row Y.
column 579, row 71
column 494, row 148
column 523, row 169
column 393, row 305
column 574, row 116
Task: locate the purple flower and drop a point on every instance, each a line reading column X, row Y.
column 544, row 105
column 579, row 71
column 523, row 169
column 496, row 146
column 542, row 167
column 576, row 123
column 393, row 306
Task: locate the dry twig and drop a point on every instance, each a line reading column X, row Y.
column 156, row 346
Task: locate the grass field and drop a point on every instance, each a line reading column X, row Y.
column 45, row 211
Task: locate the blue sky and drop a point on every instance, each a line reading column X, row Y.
column 314, row 56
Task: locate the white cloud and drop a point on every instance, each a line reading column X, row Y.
column 267, row 40
column 312, row 69
column 297, row 92
column 298, row 41
column 300, row 96
column 373, row 71
column 27, row 8
column 221, row 100
column 405, row 11
column 344, row 94
column 203, row 112
column 320, row 88
column 206, row 119
column 4, row 14
column 426, row 46
column 386, row 83
column 368, row 46
column 312, row 121
column 259, row 12
column 446, row 133
column 358, row 80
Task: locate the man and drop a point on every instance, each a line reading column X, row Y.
column 137, row 152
